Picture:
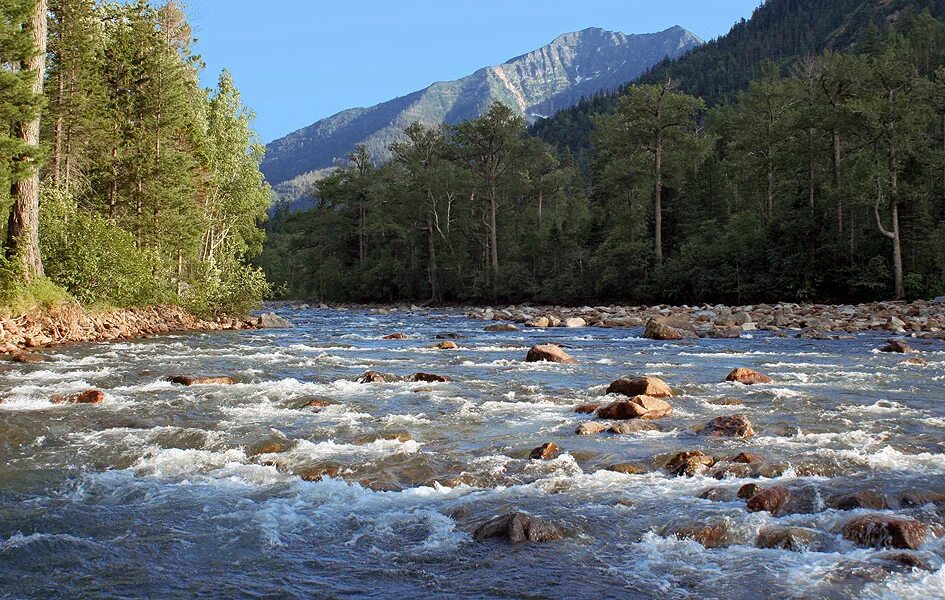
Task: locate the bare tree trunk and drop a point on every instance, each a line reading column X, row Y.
column 493, row 244
column 811, row 170
column 23, row 225
column 56, row 166
column 362, row 243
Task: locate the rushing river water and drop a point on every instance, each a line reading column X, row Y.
column 168, row 491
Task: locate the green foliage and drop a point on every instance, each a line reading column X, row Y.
column 96, row 261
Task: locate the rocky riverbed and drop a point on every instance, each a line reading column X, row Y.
column 378, row 452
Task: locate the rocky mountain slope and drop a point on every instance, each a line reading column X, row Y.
column 537, row 84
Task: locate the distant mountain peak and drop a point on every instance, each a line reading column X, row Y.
column 537, row 83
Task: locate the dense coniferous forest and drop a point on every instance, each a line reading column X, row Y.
column 801, row 157
column 128, row 183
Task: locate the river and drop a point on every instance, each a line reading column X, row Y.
column 169, row 491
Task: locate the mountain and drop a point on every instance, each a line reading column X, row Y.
column 780, row 31
column 537, row 84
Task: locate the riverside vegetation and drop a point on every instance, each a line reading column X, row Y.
column 129, row 185
column 821, row 179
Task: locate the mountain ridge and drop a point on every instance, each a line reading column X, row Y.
column 537, row 83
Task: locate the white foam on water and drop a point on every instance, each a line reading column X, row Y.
column 18, row 540
column 320, row 451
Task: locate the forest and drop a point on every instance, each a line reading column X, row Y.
column 125, row 182
column 822, row 178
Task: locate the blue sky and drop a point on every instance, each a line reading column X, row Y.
column 297, row 61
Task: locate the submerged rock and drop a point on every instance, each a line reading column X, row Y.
column 544, row 452
column 864, row 499
column 516, row 528
column 638, row 407
column 586, row 409
column 429, row 378
column 882, row 531
column 641, row 386
column 628, row 468
column 447, row 345
column 591, row 428
column 319, row 473
column 26, row 357
column 795, row 539
column 549, row 353
column 730, row 426
column 501, row 327
column 748, row 490
column 396, row 336
column 203, row 380
column 713, row 535
column 747, row 376
column 634, row 426
column 86, row 397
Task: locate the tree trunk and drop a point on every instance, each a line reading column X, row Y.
column 493, row 244
column 56, row 166
column 658, row 199
column 836, row 179
column 23, row 225
column 431, row 265
column 811, row 170
column 894, row 210
column 362, row 243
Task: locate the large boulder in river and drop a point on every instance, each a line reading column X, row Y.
column 638, row 407
column 517, row 527
column 574, row 322
column 203, row 380
column 429, row 378
column 376, row 377
column 669, row 328
column 897, row 346
column 549, row 353
column 716, row 534
column 271, row 320
column 795, row 539
column 396, row 336
column 641, row 386
column 747, row 376
column 540, row 322
column 883, row 531
column 730, row 426
column 863, row 499
column 591, row 428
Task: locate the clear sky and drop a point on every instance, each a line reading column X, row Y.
column 297, row 61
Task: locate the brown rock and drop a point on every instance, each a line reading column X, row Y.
column 543, row 452
column 591, row 428
column 203, row 380
column 502, row 327
column 728, row 401
column 375, row 377
column 549, row 353
column 267, row 447
column 627, row 468
column 915, row 360
column 319, row 473
column 747, row 377
column 897, row 346
column 730, row 426
column 921, row 498
column 795, row 539
column 638, row 407
column 429, row 378
column 689, row 463
column 641, row 386
column 905, row 559
column 447, row 345
column 716, row 494
column 713, row 535
column 882, row 531
column 317, row 403
column 725, row 332
column 586, row 409
column 669, row 328
column 86, row 397
column 396, row 336
column 748, row 490
column 864, row 499
column 746, row 458
column 26, row 357
column 517, row 528
column 769, row 500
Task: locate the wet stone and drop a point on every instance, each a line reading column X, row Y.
column 883, row 531
column 544, row 452
column 202, row 380
column 517, row 528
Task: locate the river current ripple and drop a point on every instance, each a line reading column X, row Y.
column 169, row 491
